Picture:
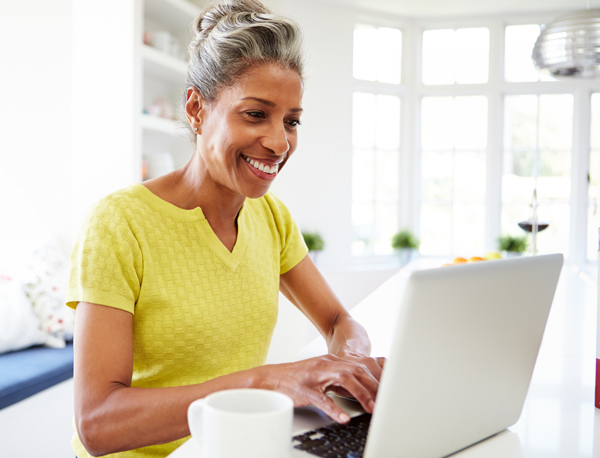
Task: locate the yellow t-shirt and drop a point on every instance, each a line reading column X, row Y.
column 199, row 310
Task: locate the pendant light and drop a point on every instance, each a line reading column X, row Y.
column 570, row 45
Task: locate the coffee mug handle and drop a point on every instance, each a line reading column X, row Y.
column 195, row 418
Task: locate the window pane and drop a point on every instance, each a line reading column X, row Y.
column 438, row 56
column 538, row 137
column 363, row 175
column 375, row 172
column 518, row 45
column 472, row 54
column 595, row 127
column 363, row 216
column 471, row 122
column 387, row 165
column 520, row 122
column 364, row 59
column 362, row 219
column 437, row 123
column 556, row 121
column 388, row 122
column 517, row 189
column 377, row 54
column 386, row 225
column 469, row 177
column 592, row 233
column 436, row 175
column 468, row 236
column 363, row 120
column 593, row 222
column 389, row 55
column 555, row 239
column 436, row 229
column 456, row 56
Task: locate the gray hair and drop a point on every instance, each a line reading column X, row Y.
column 235, row 35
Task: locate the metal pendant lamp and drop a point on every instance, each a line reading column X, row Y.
column 570, row 45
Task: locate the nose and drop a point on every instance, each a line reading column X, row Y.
column 276, row 140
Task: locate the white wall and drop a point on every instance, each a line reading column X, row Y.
column 316, row 183
column 34, row 123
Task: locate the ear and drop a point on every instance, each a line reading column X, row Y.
column 193, row 108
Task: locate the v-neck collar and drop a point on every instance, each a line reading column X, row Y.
column 232, row 258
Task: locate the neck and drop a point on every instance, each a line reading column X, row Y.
column 195, row 188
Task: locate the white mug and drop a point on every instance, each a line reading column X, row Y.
column 249, row 423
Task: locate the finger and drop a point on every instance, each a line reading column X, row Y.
column 372, row 365
column 326, row 404
column 361, row 384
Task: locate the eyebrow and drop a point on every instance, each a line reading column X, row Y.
column 271, row 104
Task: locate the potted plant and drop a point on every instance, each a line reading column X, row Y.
column 314, row 243
column 513, row 245
column 405, row 244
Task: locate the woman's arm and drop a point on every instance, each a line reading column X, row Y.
column 112, row 416
column 306, row 288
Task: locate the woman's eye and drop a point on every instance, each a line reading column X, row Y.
column 255, row 114
column 293, row 123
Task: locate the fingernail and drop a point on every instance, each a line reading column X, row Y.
column 371, row 405
column 344, row 418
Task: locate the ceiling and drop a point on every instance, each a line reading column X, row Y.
column 445, row 8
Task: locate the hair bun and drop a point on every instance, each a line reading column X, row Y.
column 214, row 14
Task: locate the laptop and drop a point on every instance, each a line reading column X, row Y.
column 462, row 356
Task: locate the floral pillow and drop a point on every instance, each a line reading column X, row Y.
column 45, row 285
column 19, row 327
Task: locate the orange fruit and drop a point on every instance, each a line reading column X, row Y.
column 459, row 260
column 475, row 259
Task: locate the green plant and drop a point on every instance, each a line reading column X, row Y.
column 512, row 243
column 405, row 239
column 313, row 241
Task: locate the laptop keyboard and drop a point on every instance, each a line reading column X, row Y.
column 336, row 440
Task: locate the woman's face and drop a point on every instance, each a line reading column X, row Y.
column 249, row 132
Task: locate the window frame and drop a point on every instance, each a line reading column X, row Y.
column 412, row 90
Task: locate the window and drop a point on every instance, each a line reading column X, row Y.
column 537, row 155
column 594, row 182
column 377, row 54
column 375, row 139
column 518, row 46
column 483, row 142
column 456, row 56
column 453, row 172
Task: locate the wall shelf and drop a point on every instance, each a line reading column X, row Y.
column 163, row 66
column 172, row 13
column 162, row 125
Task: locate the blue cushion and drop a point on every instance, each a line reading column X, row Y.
column 27, row 372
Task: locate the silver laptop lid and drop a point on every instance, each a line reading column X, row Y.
column 463, row 355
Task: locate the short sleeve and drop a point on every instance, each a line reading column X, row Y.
column 292, row 246
column 106, row 261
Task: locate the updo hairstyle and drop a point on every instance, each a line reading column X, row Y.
column 235, row 35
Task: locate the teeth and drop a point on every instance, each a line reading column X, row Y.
column 260, row 166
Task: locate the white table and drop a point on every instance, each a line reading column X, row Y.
column 559, row 419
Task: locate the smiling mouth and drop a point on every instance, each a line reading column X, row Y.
column 270, row 170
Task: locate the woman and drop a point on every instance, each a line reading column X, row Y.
column 176, row 281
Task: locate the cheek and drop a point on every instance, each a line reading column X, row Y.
column 293, row 142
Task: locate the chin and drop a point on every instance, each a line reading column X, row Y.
column 256, row 194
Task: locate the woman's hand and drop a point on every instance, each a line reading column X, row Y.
column 373, row 364
column 308, row 381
